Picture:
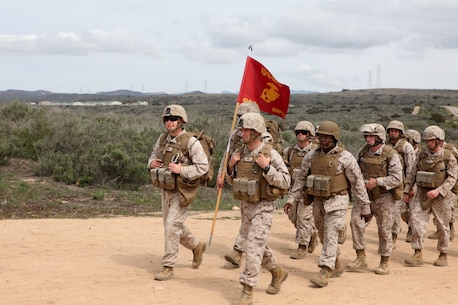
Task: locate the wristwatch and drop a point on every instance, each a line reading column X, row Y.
column 266, row 169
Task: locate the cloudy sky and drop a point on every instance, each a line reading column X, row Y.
column 172, row 46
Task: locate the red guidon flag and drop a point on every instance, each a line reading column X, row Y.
column 259, row 85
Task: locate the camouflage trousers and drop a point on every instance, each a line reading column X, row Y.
column 301, row 216
column 382, row 209
column 257, row 220
column 419, row 218
column 329, row 224
column 175, row 232
column 399, row 207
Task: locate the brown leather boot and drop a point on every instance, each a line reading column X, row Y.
column 382, row 269
column 235, row 258
column 165, row 275
column 279, row 275
column 299, row 253
column 359, row 264
column 246, row 297
column 415, row 260
column 338, row 268
column 441, row 261
column 198, row 253
column 322, row 278
column 313, row 242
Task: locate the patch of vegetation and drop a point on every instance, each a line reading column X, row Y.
column 104, row 150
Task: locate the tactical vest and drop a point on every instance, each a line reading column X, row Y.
column 400, row 149
column 323, row 180
column 170, row 152
column 294, row 160
column 249, row 184
column 432, row 171
column 377, row 166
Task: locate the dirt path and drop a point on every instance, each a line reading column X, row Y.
column 112, row 261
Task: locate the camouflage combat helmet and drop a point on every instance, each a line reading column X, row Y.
column 396, row 125
column 375, row 129
column 175, row 110
column 305, row 125
column 414, row 135
column 248, row 106
column 433, row 132
column 252, row 120
column 329, row 128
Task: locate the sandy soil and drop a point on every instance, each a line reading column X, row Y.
column 113, row 261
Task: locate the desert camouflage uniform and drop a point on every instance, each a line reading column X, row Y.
column 301, row 215
column 440, row 206
column 257, row 220
column 174, row 214
column 329, row 213
column 408, row 155
column 382, row 208
column 234, row 143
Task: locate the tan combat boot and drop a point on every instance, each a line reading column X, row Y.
column 342, row 235
column 313, row 242
column 165, row 274
column 415, row 260
column 279, row 275
column 338, row 268
column 299, row 253
column 394, row 238
column 452, row 231
column 359, row 264
column 409, row 235
column 322, row 279
column 235, row 258
column 198, row 253
column 441, row 261
column 246, row 297
column 383, row 267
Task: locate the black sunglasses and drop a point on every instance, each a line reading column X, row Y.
column 304, row 132
column 172, row 118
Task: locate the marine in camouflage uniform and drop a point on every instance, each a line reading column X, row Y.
column 435, row 175
column 258, row 175
column 299, row 213
column 382, row 170
column 397, row 139
column 190, row 166
column 235, row 142
column 413, row 137
column 328, row 173
column 454, row 151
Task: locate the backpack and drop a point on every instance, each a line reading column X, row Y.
column 208, row 144
column 274, row 129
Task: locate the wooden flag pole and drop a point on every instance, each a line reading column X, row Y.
column 223, row 173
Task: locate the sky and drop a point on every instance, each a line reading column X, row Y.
column 177, row 46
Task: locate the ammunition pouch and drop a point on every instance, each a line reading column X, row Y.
column 163, row 178
column 428, row 179
column 246, row 189
column 324, row 186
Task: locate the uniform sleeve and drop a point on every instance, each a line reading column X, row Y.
column 353, row 173
column 411, row 177
column 448, row 184
column 278, row 174
column 155, row 153
column 409, row 158
column 394, row 176
column 199, row 162
column 297, row 190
